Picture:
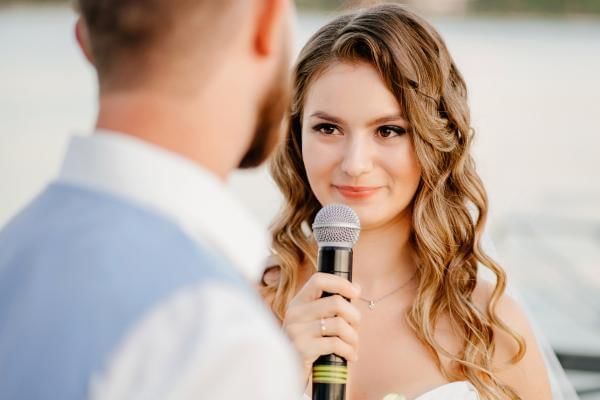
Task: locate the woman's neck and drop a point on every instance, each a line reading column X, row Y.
column 383, row 257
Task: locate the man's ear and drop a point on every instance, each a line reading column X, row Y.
column 83, row 39
column 270, row 20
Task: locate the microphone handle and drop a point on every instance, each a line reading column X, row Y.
column 330, row 372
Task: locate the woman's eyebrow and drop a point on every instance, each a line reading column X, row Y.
column 327, row 117
column 377, row 121
column 386, row 119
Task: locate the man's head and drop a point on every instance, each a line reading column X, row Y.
column 205, row 52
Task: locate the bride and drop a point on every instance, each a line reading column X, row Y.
column 380, row 122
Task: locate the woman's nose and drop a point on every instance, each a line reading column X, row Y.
column 357, row 158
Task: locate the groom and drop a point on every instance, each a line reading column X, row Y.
column 130, row 275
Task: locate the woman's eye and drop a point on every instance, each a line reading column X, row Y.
column 325, row 129
column 391, row 131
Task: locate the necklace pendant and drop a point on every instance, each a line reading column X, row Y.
column 371, row 305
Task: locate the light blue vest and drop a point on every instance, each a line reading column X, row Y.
column 78, row 268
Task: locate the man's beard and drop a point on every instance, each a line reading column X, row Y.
column 269, row 123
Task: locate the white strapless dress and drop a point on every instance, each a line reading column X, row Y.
column 462, row 390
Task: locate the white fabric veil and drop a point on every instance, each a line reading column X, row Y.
column 562, row 389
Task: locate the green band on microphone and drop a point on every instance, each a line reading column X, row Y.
column 330, row 374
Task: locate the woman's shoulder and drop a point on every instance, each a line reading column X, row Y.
column 510, row 312
column 272, row 276
column 507, row 308
column 272, row 273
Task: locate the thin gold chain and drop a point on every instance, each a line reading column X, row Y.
column 373, row 302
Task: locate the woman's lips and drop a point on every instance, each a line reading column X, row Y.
column 356, row 192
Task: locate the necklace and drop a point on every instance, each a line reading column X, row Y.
column 373, row 302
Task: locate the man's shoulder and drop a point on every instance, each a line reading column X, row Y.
column 203, row 335
column 70, row 223
column 116, row 259
column 79, row 270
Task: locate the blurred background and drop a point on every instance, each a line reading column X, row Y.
column 533, row 69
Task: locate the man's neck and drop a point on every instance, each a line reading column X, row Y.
column 191, row 129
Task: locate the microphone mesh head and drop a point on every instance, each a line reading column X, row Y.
column 336, row 225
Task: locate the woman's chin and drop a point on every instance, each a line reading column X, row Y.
column 373, row 216
column 369, row 217
column 370, row 211
column 355, row 203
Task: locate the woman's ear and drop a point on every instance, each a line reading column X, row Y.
column 83, row 39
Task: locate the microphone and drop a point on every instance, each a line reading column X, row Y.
column 336, row 229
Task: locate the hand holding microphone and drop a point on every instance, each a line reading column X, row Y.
column 303, row 320
column 320, row 320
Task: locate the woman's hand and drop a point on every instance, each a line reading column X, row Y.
column 327, row 325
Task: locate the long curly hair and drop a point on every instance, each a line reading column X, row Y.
column 450, row 206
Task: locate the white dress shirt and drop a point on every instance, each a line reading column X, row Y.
column 232, row 349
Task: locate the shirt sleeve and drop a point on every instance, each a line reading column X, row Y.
column 207, row 343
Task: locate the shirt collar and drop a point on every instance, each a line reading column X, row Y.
column 173, row 186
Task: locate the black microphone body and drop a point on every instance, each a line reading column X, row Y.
column 330, row 372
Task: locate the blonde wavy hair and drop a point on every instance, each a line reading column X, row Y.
column 450, row 205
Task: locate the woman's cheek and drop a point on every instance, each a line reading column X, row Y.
column 319, row 172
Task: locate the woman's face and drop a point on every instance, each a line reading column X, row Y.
column 355, row 144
